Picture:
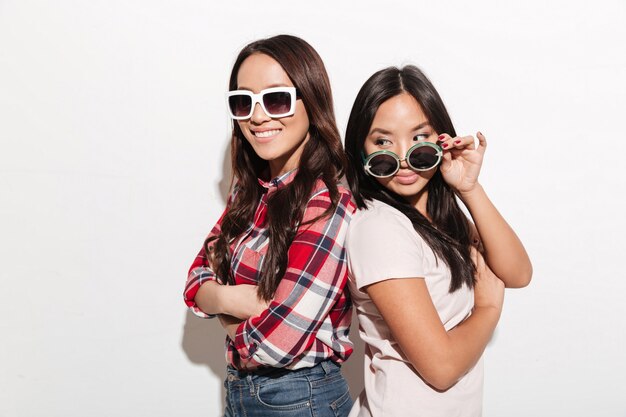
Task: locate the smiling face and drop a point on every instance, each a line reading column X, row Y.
column 279, row 141
column 399, row 124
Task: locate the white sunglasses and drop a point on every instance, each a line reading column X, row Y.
column 275, row 102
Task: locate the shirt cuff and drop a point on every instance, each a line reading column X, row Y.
column 196, row 278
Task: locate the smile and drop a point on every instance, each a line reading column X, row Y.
column 266, row 133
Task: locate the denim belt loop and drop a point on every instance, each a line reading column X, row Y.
column 326, row 367
column 250, row 384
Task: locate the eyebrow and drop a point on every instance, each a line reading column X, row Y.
column 386, row 132
column 378, row 130
column 240, row 87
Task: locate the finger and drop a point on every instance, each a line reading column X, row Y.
column 445, row 141
column 446, row 162
column 482, row 142
column 464, row 142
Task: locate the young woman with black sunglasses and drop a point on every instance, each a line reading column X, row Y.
column 273, row 269
column 427, row 299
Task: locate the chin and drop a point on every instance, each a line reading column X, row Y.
column 409, row 195
column 265, row 152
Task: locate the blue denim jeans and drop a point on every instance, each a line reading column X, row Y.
column 320, row 391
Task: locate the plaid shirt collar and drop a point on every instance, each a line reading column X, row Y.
column 278, row 182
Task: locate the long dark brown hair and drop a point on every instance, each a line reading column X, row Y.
column 448, row 235
column 322, row 157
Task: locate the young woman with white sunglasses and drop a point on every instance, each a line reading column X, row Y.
column 427, row 299
column 273, row 269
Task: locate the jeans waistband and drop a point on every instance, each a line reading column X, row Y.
column 324, row 367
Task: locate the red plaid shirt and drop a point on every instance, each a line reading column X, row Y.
column 309, row 318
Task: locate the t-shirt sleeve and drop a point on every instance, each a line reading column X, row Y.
column 381, row 245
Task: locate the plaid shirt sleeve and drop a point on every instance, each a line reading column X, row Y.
column 314, row 280
column 199, row 273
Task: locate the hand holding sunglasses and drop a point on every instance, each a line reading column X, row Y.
column 276, row 102
column 420, row 157
column 463, row 160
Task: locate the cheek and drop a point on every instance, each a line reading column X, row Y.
column 384, row 181
column 427, row 175
column 299, row 122
column 243, row 126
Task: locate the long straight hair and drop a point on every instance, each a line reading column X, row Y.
column 322, row 158
column 448, row 235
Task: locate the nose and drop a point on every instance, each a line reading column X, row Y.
column 402, row 158
column 258, row 115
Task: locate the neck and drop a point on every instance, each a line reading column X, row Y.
column 289, row 161
column 277, row 169
column 420, row 201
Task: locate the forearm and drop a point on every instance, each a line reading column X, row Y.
column 441, row 357
column 451, row 355
column 503, row 250
column 210, row 298
column 467, row 342
column 239, row 301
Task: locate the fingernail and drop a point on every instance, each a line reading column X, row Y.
column 480, row 133
column 444, row 145
column 442, row 137
column 456, row 142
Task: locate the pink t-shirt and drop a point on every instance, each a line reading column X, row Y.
column 382, row 244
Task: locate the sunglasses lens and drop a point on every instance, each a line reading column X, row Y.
column 383, row 165
column 278, row 102
column 240, row 105
column 423, row 157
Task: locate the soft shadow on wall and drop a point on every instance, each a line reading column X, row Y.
column 353, row 368
column 203, row 340
column 203, row 343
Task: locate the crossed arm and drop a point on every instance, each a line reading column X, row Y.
column 276, row 333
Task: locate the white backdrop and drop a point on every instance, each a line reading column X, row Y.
column 113, row 167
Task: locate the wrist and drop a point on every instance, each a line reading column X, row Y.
column 492, row 312
column 468, row 196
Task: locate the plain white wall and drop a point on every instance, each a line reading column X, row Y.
column 113, row 167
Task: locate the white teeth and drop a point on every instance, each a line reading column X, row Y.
column 267, row 133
